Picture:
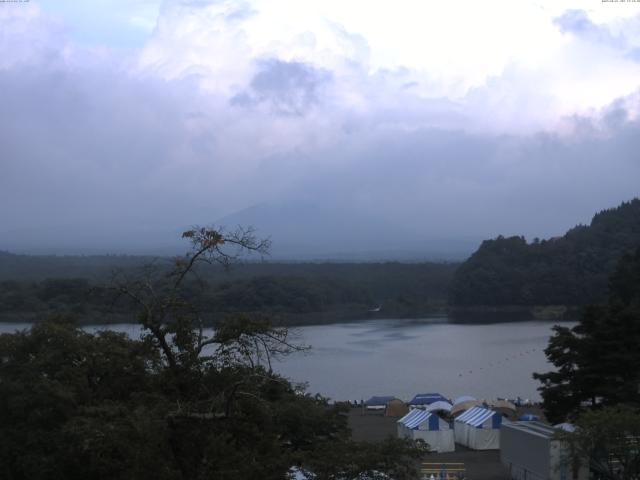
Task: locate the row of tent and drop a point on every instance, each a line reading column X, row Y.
column 530, row 450
column 420, row 399
column 478, row 428
column 434, row 402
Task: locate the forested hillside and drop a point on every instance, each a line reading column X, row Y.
column 569, row 270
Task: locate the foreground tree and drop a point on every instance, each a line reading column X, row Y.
column 598, row 361
column 610, row 439
column 178, row 403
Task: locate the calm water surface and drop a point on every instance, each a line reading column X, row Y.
column 352, row 361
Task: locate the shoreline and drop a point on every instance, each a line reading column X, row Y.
column 456, row 315
column 479, row 314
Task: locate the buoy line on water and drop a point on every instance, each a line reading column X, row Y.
column 506, row 361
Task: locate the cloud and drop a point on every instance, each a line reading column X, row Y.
column 578, row 23
column 226, row 107
column 29, row 38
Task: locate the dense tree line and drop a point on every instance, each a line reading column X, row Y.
column 38, row 267
column 569, row 270
column 293, row 291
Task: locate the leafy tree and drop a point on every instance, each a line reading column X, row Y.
column 73, row 404
column 178, row 403
column 598, row 361
column 391, row 458
column 610, row 439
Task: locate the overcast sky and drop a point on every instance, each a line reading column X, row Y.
column 381, row 124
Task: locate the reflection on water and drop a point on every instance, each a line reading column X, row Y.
column 403, row 357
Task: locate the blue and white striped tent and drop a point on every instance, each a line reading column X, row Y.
column 427, row 426
column 478, row 428
column 477, row 416
column 416, row 417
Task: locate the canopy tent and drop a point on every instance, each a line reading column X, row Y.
column 463, row 398
column 505, row 404
column 439, row 406
column 396, row 408
column 427, row 426
column 378, row 402
column 462, row 406
column 478, row 428
column 426, row 399
column 505, row 407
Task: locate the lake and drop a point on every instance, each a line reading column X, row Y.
column 353, row 361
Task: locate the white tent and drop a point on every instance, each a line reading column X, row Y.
column 463, row 398
column 478, row 429
column 427, row 426
column 439, row 406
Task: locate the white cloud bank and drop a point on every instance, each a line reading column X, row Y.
column 402, row 121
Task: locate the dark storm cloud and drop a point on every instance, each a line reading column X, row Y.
column 90, row 151
column 388, row 189
column 110, row 160
column 289, row 88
